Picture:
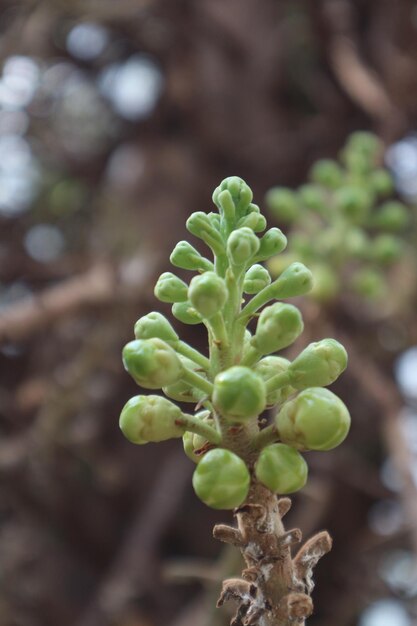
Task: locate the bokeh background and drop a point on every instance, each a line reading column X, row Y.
column 118, row 119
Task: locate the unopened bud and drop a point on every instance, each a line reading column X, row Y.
column 319, row 365
column 170, row 288
column 281, row 468
column 155, row 325
column 152, row 363
column 150, row 418
column 208, row 294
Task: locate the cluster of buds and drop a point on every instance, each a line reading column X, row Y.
column 231, row 387
column 346, row 225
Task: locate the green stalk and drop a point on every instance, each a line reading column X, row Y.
column 194, row 355
column 265, row 437
column 277, row 381
column 199, row 427
column 197, row 381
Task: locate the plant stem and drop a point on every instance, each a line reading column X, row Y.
column 194, row 355
column 265, row 437
column 198, row 426
column 197, row 381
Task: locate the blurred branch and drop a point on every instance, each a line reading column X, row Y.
column 100, row 284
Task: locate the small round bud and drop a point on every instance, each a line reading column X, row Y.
column 152, row 363
column 386, row 249
column 242, row 245
column 282, row 469
column 283, row 204
column 326, row 283
column 253, row 219
column 170, row 288
column 278, row 326
column 208, row 294
column 150, row 418
column 273, row 242
column 327, row 173
column 184, row 255
column 182, row 391
column 155, row 325
column 354, row 202
column 313, row 198
column 268, row 367
column 315, row 420
column 239, row 393
column 256, row 278
column 186, row 313
column 319, row 365
column 369, row 283
column 381, row 182
column 366, row 143
column 221, row 479
column 241, row 193
column 195, row 446
column 296, row 280
column 357, row 243
column 198, row 223
column 392, row 216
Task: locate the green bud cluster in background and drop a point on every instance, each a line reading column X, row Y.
column 346, row 226
column 230, row 387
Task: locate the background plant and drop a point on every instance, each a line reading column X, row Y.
column 241, row 465
column 346, row 222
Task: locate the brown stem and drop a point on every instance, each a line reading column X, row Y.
column 274, row 588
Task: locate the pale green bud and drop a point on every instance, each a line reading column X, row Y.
column 273, row 242
column 327, row 173
column 369, row 283
column 201, row 225
column 155, row 325
column 278, row 326
column 240, row 192
column 392, row 216
column 195, row 446
column 386, row 249
column 319, row 365
column 184, row 255
column 170, row 288
column 256, row 278
column 315, row 420
column 283, row 204
column 221, row 479
column 239, row 393
column 242, row 245
column 150, row 418
column 296, row 280
column 313, row 198
column 186, row 313
column 381, row 182
column 354, row 202
column 281, row 468
column 152, row 363
column 268, row 367
column 182, row 391
column 208, row 294
column 253, row 220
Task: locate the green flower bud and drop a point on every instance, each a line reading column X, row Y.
column 357, row 243
column 170, row 288
column 214, row 220
column 182, row 391
column 366, row 143
column 155, row 325
column 391, row 216
column 381, row 182
column 268, row 367
column 273, row 242
column 208, row 294
column 221, row 479
column 318, row 365
column 278, row 326
column 283, row 204
column 253, row 219
column 369, row 283
column 281, row 468
column 206, row 228
column 241, row 193
column 186, row 313
column 256, row 278
column 313, row 198
column 184, row 255
column 242, row 245
column 296, row 280
column 150, row 418
column 194, row 445
column 354, row 202
column 386, row 249
column 315, row 420
column 239, row 393
column 152, row 363
column 327, row 173
column 326, row 283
